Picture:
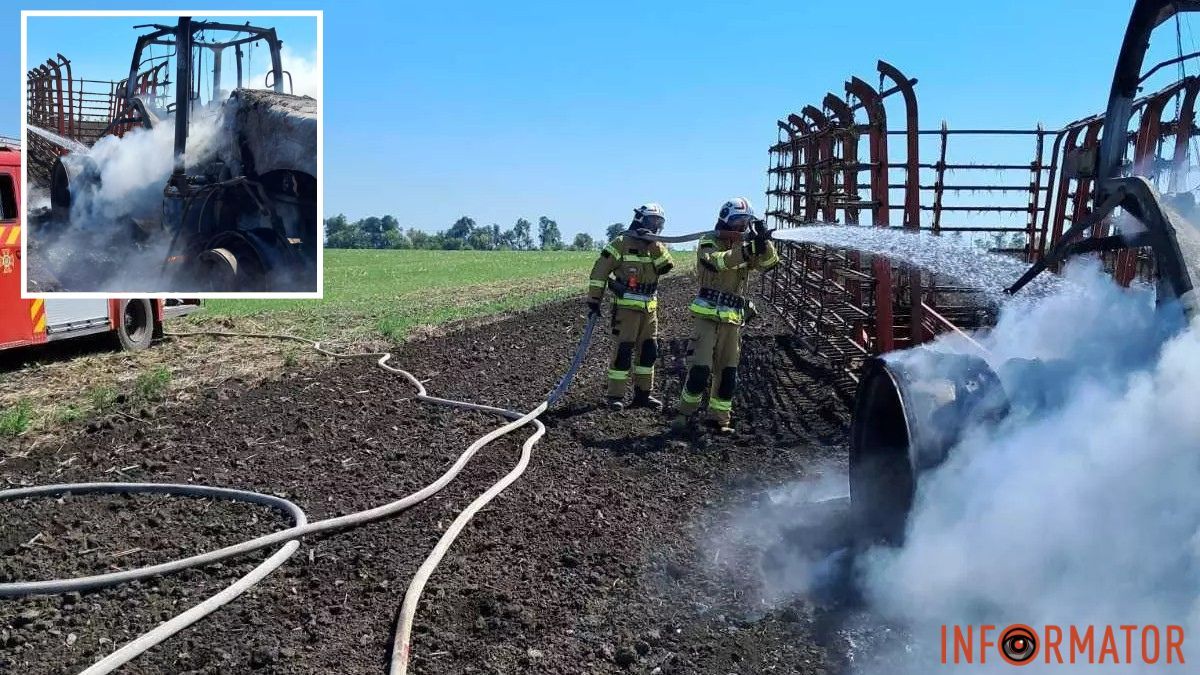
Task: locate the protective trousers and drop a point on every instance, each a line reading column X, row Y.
column 714, row 354
column 635, row 348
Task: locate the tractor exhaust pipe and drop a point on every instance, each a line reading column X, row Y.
column 183, row 91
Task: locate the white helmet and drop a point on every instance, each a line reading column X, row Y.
column 736, row 209
column 649, row 216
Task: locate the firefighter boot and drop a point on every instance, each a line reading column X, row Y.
column 643, row 399
column 615, row 402
column 723, row 427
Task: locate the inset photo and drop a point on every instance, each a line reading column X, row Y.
column 167, row 155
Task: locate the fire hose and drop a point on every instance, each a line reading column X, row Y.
column 401, row 644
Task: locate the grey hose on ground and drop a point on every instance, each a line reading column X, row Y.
column 134, row 648
column 301, row 527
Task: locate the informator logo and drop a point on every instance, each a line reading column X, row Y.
column 1020, row 644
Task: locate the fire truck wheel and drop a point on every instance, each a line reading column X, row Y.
column 136, row 328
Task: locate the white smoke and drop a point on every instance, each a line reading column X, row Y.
column 113, row 239
column 781, row 529
column 123, row 177
column 1083, row 511
column 305, row 73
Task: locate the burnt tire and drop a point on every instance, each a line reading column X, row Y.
column 135, row 331
column 231, row 269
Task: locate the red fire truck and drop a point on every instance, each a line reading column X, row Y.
column 23, row 322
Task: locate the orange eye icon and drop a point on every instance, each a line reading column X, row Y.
column 1018, row 644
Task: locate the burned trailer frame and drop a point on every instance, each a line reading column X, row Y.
column 846, row 305
column 78, row 109
column 1097, row 192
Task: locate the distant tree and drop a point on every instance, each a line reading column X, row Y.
column 548, row 235
column 419, row 239
column 497, row 236
column 614, row 230
column 480, row 239
column 461, row 229
column 389, row 224
column 583, row 242
column 394, row 238
column 335, row 225
column 453, row 244
column 372, row 230
column 506, row 241
column 519, row 237
column 350, row 236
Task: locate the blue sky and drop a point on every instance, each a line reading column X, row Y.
column 580, row 111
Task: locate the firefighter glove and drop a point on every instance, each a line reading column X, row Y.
column 593, row 307
column 760, row 234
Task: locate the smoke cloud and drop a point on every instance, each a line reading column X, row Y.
column 305, row 73
column 123, row 177
column 113, row 239
column 1083, row 510
column 1081, row 507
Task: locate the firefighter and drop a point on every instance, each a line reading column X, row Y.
column 631, row 265
column 721, row 309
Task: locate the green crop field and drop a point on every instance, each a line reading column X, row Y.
column 372, row 293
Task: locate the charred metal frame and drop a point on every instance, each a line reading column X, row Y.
column 846, row 306
column 184, row 34
column 84, row 110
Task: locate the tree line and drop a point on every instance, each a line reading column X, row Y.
column 464, row 234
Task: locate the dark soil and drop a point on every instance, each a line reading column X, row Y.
column 620, row 549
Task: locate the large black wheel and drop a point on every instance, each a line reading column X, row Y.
column 136, row 328
column 235, row 268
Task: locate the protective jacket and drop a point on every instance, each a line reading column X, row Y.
column 630, row 267
column 722, row 269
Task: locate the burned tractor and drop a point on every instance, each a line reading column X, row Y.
column 241, row 215
column 912, row 408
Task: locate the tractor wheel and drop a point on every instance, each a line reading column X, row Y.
column 225, row 270
column 219, row 269
column 136, row 328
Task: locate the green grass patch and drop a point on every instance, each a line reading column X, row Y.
column 68, row 413
column 372, row 294
column 102, row 399
column 15, row 419
column 152, row 385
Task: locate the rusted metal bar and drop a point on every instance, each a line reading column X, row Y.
column 1184, row 127
column 872, row 103
column 823, row 165
column 59, row 121
column 1035, row 185
column 813, row 155
column 912, row 180
column 843, row 117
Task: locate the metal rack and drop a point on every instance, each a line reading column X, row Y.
column 859, row 157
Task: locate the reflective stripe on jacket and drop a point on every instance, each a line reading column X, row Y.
column 631, row 263
column 724, row 267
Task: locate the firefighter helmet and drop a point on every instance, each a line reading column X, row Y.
column 650, row 217
column 736, row 214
